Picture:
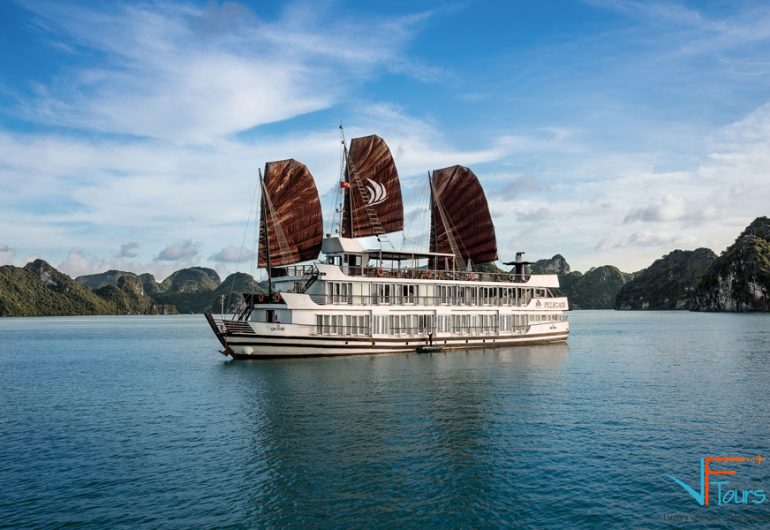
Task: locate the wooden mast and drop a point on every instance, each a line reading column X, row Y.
column 448, row 229
column 348, row 191
column 265, row 212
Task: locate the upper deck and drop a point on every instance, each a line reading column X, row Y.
column 339, row 272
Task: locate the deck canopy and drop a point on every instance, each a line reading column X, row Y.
column 404, row 255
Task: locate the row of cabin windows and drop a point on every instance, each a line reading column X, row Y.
column 390, row 293
column 342, row 324
column 421, row 324
column 464, row 295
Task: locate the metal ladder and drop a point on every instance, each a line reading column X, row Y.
column 309, row 278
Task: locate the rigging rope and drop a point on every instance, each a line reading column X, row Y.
column 448, row 229
column 281, row 237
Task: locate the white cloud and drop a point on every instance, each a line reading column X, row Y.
column 648, row 239
column 669, row 208
column 77, row 264
column 196, row 74
column 128, row 250
column 232, row 254
column 522, row 185
column 182, row 250
column 533, row 216
column 6, row 255
column 184, row 79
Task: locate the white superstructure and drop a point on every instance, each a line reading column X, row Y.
column 355, row 304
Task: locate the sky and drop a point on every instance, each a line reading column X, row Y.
column 609, row 131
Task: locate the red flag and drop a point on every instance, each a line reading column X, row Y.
column 345, row 184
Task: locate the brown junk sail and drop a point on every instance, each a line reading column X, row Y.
column 458, row 201
column 291, row 213
column 372, row 203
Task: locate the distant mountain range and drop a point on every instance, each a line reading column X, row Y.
column 38, row 289
column 699, row 280
column 669, row 283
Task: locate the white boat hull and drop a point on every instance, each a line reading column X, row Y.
column 282, row 343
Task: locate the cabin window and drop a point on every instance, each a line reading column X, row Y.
column 340, row 292
column 487, row 296
column 408, row 294
column 353, row 264
column 422, row 325
column 381, row 324
column 443, row 294
column 354, row 260
column 384, row 293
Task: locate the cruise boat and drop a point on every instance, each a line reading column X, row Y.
column 361, row 300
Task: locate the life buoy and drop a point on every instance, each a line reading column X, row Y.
column 261, row 297
column 512, row 277
column 379, row 272
column 276, row 298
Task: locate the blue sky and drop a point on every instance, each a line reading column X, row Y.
column 609, row 131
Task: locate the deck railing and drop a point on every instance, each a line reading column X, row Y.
column 411, row 274
column 415, row 300
column 411, row 332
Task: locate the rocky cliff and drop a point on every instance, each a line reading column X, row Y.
column 739, row 279
column 192, row 280
column 129, row 298
column 669, row 283
column 38, row 289
column 199, row 297
column 555, row 265
column 97, row 281
column 596, row 289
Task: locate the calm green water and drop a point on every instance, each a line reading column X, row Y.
column 138, row 421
